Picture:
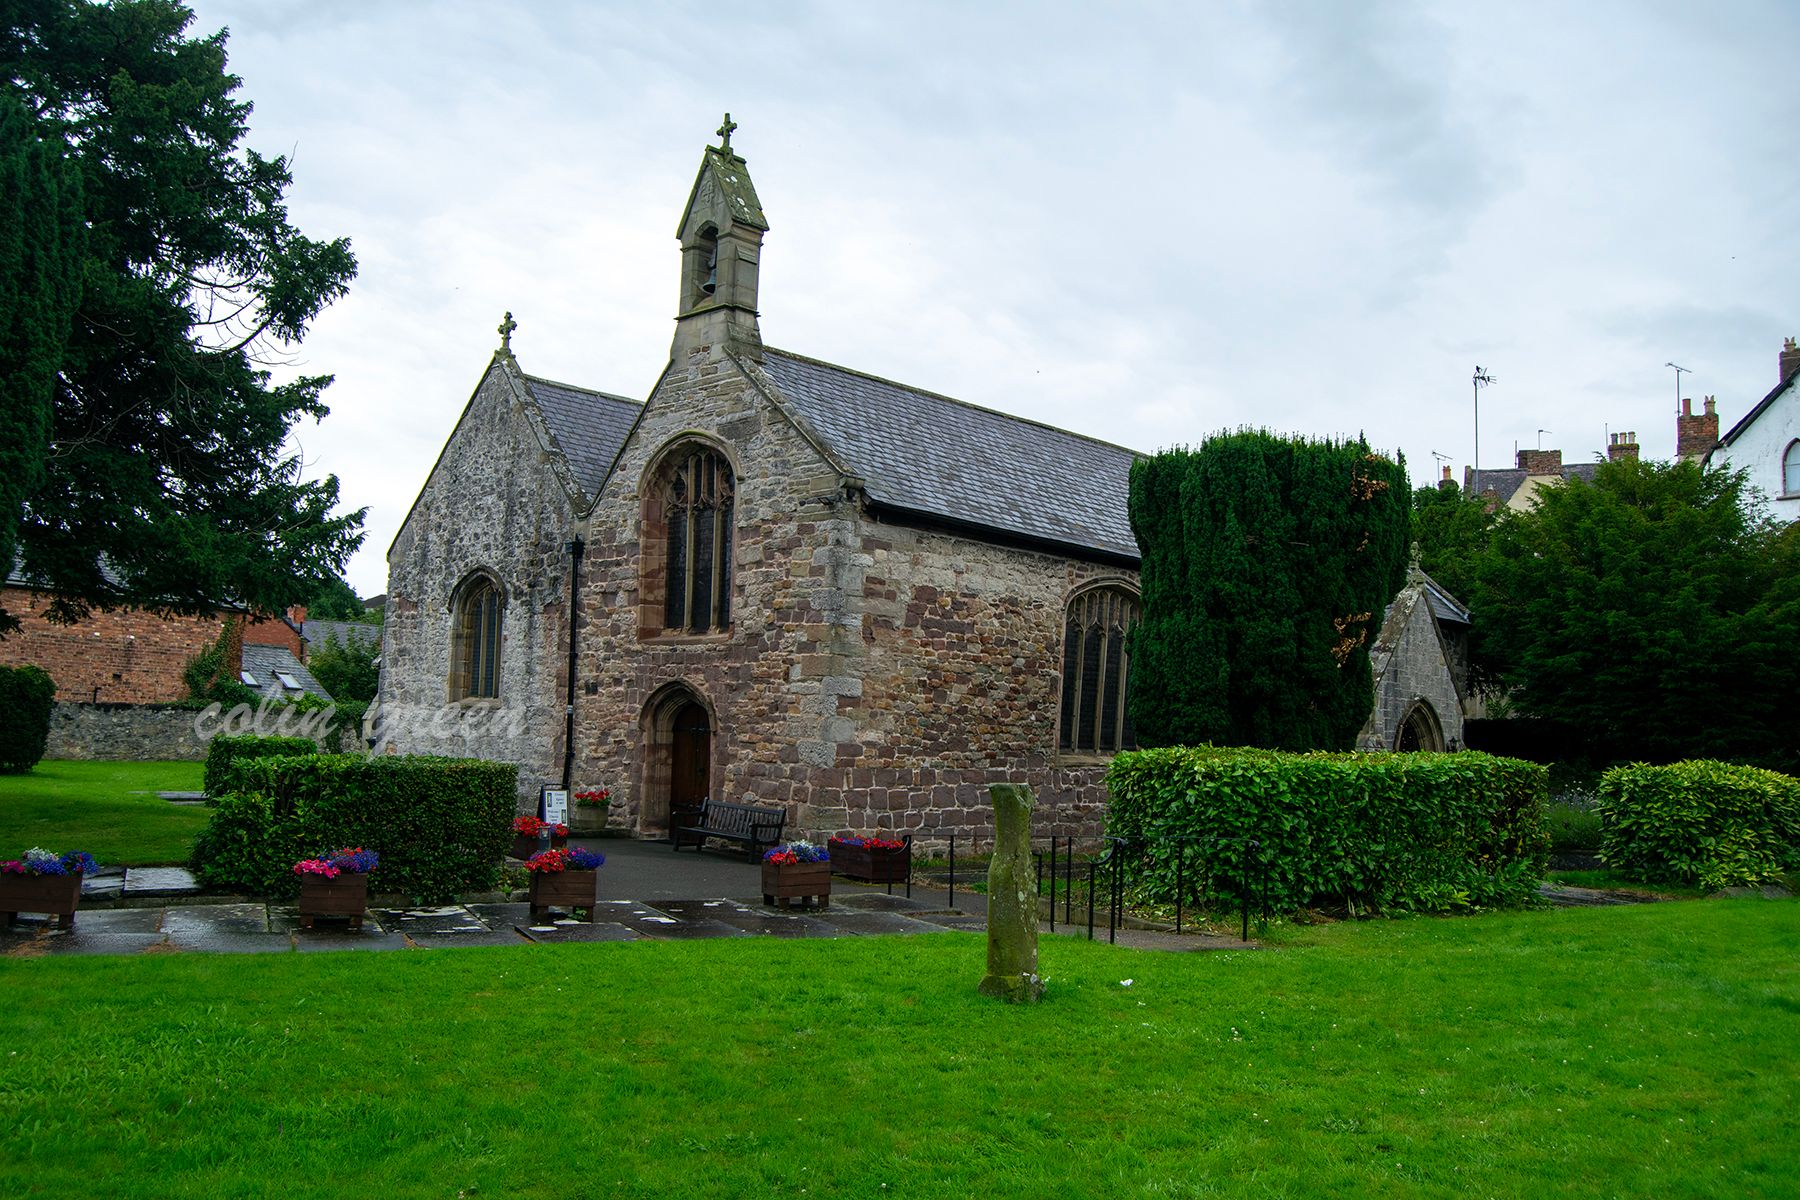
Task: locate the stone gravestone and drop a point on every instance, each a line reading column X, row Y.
column 1012, row 925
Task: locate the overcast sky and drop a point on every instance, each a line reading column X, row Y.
column 1146, row 223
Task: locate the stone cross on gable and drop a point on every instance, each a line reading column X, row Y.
column 506, row 331
column 725, row 131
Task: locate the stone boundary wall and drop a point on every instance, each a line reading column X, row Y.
column 124, row 732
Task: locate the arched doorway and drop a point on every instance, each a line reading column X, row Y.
column 1420, row 730
column 678, row 743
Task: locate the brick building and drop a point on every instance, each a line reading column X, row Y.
column 790, row 582
column 129, row 656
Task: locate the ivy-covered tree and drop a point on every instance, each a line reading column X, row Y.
column 41, row 240
column 1266, row 565
column 1654, row 610
column 166, row 482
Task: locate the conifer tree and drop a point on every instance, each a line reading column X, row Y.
column 1266, row 565
column 168, row 484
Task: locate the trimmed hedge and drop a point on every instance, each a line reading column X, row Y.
column 1700, row 822
column 27, row 695
column 441, row 825
column 1382, row 832
column 224, row 754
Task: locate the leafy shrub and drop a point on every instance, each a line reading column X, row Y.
column 1424, row 832
column 345, row 735
column 1699, row 822
column 26, row 697
column 441, row 825
column 223, row 754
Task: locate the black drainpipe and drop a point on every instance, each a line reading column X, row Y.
column 575, row 549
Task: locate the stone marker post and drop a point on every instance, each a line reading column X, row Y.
column 1012, row 924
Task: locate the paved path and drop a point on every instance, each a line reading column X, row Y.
column 648, row 893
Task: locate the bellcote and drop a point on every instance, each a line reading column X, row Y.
column 721, row 234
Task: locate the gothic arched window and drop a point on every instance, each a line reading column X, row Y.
column 1790, row 470
column 1097, row 672
column 692, row 517
column 475, row 639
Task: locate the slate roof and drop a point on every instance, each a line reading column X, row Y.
column 318, row 633
column 733, row 176
column 1445, row 607
column 589, row 426
column 263, row 661
column 1506, row 481
column 925, row 454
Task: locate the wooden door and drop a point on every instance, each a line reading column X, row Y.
column 691, row 758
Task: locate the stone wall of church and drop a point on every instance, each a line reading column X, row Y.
column 1411, row 666
column 495, row 501
column 876, row 676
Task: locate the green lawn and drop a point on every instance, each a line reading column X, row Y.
column 1636, row 1051
column 109, row 809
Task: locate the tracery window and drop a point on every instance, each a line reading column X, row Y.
column 1097, row 672
column 475, row 640
column 697, row 518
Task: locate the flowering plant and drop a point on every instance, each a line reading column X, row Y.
column 575, row 858
column 797, row 851
column 871, row 842
column 347, row 861
column 38, row 861
column 532, row 826
column 598, row 798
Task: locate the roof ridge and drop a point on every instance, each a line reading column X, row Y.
column 981, row 408
column 576, row 387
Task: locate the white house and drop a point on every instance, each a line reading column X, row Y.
column 1767, row 441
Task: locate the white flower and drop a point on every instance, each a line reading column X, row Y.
column 1124, row 983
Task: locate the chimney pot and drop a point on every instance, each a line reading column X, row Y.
column 1446, row 473
column 1790, row 360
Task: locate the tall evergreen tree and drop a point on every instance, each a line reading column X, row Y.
column 168, row 484
column 41, row 242
column 1266, row 565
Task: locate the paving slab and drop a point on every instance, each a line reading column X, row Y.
column 868, row 923
column 580, row 931
column 501, row 916
column 223, row 929
column 120, row 920
column 183, row 797
column 83, row 941
column 416, row 922
column 880, row 902
column 452, row 938
column 372, row 937
column 686, row 931
column 751, row 917
column 103, row 887
column 959, row 921
column 159, row 881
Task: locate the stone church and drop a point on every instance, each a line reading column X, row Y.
column 774, row 581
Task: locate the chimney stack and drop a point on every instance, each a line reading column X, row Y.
column 1622, row 446
column 1790, row 360
column 1540, row 462
column 1696, row 436
column 1446, row 478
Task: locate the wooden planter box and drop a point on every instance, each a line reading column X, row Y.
column 53, row 895
column 871, row 865
column 346, row 895
column 787, row 882
column 525, row 847
column 569, row 889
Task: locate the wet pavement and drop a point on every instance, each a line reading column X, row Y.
column 647, row 893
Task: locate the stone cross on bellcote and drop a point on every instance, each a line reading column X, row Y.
column 725, row 131
column 506, row 331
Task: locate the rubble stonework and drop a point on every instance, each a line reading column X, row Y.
column 495, row 502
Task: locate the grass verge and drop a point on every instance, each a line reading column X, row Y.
column 1632, row 1051
column 109, row 809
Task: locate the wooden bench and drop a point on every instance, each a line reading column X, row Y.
column 755, row 827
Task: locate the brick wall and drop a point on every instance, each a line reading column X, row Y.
column 130, row 657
